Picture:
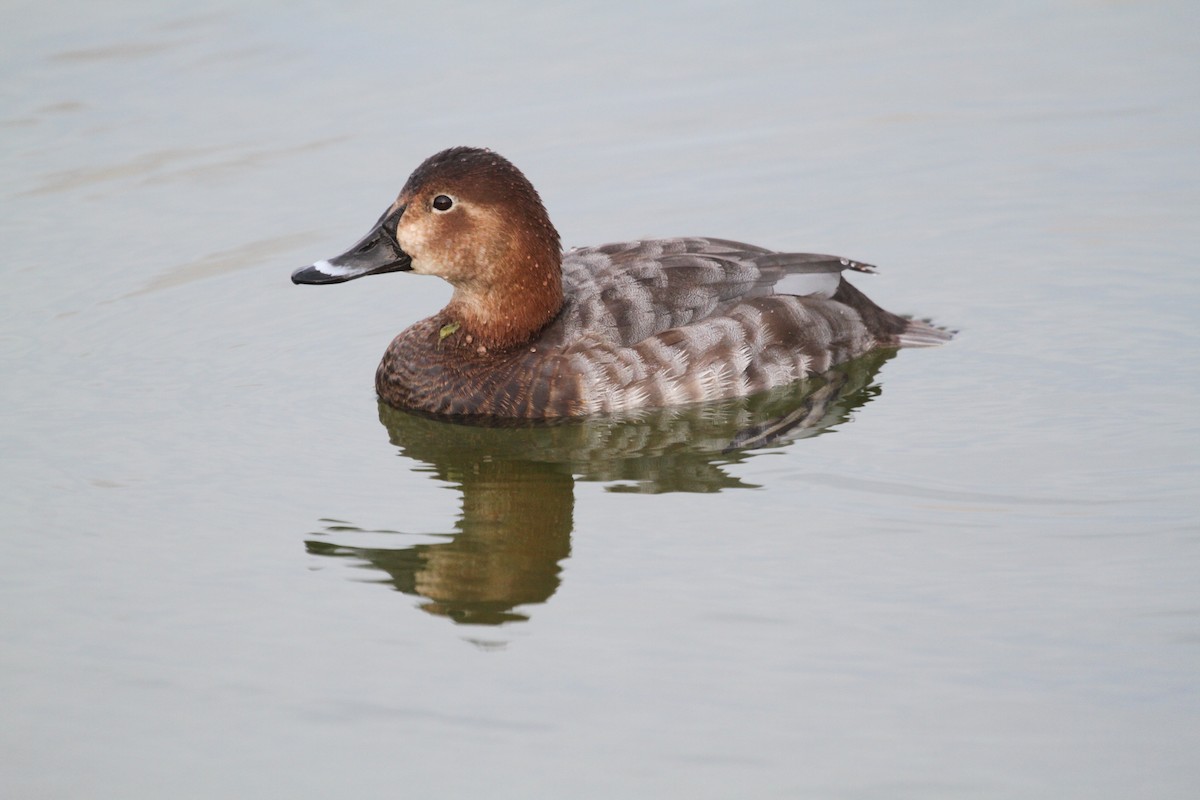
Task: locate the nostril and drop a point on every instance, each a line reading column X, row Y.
column 368, row 245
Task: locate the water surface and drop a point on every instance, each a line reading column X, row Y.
column 963, row 572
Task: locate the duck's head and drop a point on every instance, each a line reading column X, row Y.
column 469, row 216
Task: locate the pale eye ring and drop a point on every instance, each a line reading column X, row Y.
column 442, row 203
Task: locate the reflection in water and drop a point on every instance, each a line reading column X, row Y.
column 514, row 530
column 517, row 483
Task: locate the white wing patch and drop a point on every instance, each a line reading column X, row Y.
column 821, row 284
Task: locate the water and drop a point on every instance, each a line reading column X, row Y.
column 967, row 572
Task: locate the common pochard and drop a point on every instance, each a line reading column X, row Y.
column 533, row 332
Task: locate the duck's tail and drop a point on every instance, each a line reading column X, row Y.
column 888, row 328
column 923, row 333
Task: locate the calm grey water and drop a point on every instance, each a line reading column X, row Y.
column 970, row 572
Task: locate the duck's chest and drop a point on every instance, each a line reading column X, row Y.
column 431, row 369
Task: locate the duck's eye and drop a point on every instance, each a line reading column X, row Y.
column 442, row 203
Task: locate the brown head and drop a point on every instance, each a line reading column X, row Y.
column 469, row 216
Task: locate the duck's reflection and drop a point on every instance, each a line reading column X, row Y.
column 517, row 484
column 514, row 530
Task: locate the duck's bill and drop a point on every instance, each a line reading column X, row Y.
column 375, row 253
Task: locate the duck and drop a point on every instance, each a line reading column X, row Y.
column 532, row 332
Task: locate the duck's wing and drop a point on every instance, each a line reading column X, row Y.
column 628, row 291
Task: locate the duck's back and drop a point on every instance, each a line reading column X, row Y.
column 662, row 322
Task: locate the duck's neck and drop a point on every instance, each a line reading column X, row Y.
column 513, row 309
